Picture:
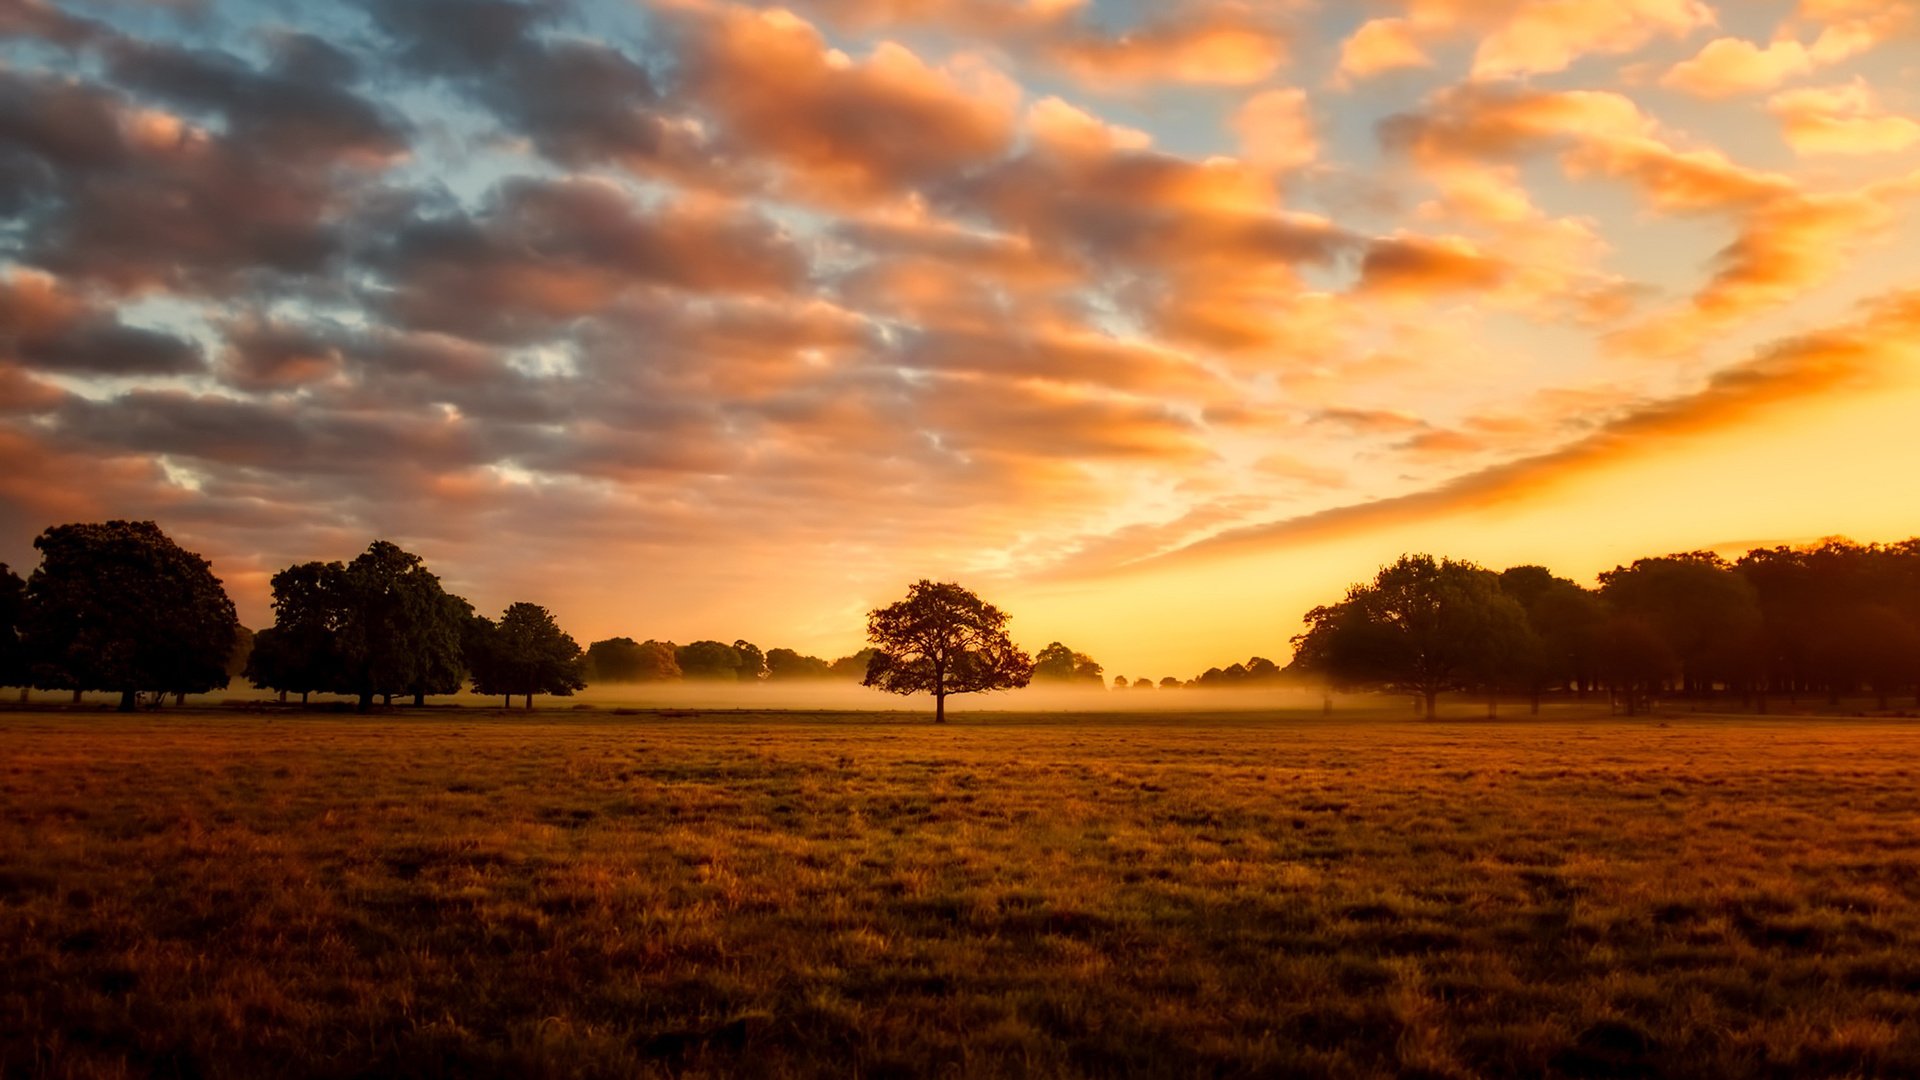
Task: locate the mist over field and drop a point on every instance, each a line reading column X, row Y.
column 845, row 697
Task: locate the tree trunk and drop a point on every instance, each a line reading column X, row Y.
column 1326, row 705
column 529, row 701
column 304, row 694
column 76, row 697
column 283, row 697
column 127, row 699
column 939, row 707
column 386, row 701
column 507, row 701
column 179, row 700
column 1433, row 702
column 23, row 695
column 419, row 700
column 366, row 701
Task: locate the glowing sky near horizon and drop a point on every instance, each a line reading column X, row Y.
column 1156, row 323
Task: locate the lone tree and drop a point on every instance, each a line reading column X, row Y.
column 942, row 639
column 120, row 607
column 527, row 653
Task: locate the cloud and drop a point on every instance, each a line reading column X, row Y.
column 838, row 129
column 1843, row 119
column 1519, row 38
column 1423, row 266
column 541, row 252
column 1729, row 67
column 1276, row 130
column 1853, row 358
column 1381, row 45
column 44, row 325
column 1211, row 44
column 578, row 101
column 1787, row 239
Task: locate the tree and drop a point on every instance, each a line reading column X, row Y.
column 614, row 660
column 709, row 661
column 120, row 607
column 397, row 630
column 526, row 653
column 13, row 601
column 298, row 653
column 1422, row 626
column 786, row 665
column 1058, row 664
column 753, row 662
column 852, row 668
column 943, row 639
column 1708, row 616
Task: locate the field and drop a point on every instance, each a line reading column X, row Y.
column 462, row 892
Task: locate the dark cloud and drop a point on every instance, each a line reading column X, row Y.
column 542, row 252
column 43, row 326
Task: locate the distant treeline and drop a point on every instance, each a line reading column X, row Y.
column 118, row 607
column 1834, row 619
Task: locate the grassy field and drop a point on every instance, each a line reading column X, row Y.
column 581, row 893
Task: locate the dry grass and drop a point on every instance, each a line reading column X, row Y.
column 839, row 895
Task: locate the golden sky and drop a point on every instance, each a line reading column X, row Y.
column 1157, row 323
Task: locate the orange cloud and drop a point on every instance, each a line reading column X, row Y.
column 1217, row 44
column 843, row 130
column 1850, row 359
column 1381, row 45
column 1519, row 37
column 1845, row 119
column 1729, row 67
column 1424, row 266
column 1276, row 130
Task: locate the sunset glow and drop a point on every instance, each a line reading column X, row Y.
column 1156, row 324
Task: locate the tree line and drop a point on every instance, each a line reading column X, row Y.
column 119, row 607
column 1828, row 620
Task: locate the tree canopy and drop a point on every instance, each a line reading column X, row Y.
column 1060, row 666
column 118, row 606
column 1422, row 626
column 943, row 639
column 13, row 602
column 624, row 660
column 526, row 653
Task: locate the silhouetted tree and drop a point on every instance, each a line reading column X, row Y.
column 1636, row 660
column 1060, row 665
column 1707, row 615
column 13, row 657
column 1566, row 621
column 786, row 665
column 753, row 662
column 709, row 661
column 614, row 660
column 943, row 639
column 397, row 630
column 1170, row 683
column 120, row 607
column 526, row 653
column 298, row 653
column 852, row 668
column 1143, row 684
column 1421, row 627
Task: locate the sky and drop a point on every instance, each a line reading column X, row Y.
column 1155, row 323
